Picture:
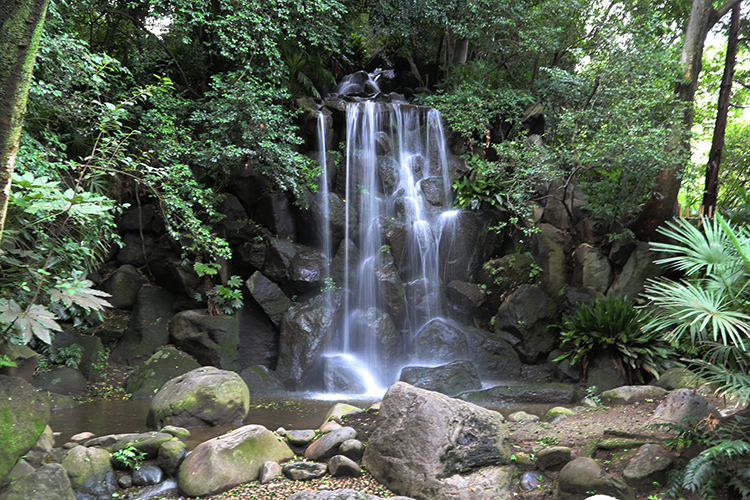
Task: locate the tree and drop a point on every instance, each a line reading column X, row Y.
column 717, row 144
column 21, row 32
column 660, row 207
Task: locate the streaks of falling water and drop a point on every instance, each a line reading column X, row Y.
column 393, row 152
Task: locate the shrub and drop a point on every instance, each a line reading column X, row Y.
column 614, row 327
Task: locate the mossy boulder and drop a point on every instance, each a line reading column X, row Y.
column 50, row 482
column 212, row 340
column 222, row 463
column 24, row 414
column 204, row 396
column 90, row 472
column 163, row 366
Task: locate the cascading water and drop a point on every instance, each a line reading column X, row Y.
column 397, row 185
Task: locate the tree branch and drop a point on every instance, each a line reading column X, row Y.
column 723, row 10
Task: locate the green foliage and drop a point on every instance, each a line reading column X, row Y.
column 329, row 285
column 69, row 356
column 6, row 362
column 229, row 298
column 614, row 327
column 707, row 313
column 128, row 458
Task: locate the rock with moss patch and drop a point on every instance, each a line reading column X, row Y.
column 261, row 380
column 90, row 472
column 557, row 414
column 24, row 414
column 629, row 394
column 222, row 463
column 212, row 339
column 204, row 396
column 164, row 365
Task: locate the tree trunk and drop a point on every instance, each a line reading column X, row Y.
column 660, row 207
column 22, row 22
column 717, row 144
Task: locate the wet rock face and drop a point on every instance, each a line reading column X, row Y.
column 306, row 331
column 451, row 379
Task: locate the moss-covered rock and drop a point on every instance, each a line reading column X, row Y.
column 24, row 414
column 204, row 396
column 222, row 463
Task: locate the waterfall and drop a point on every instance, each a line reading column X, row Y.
column 397, row 184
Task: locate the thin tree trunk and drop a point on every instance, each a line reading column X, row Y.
column 22, row 22
column 660, row 207
column 717, row 144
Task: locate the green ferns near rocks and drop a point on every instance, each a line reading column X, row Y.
column 614, row 327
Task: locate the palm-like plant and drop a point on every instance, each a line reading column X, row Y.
column 709, row 310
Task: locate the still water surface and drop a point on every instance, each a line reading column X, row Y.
column 292, row 411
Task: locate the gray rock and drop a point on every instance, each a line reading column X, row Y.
column 25, row 415
column 276, row 213
column 391, row 288
column 147, row 475
column 204, row 396
column 328, row 444
column 505, row 274
column 440, row 341
column 451, row 379
column 526, row 316
column 179, row 432
column 171, row 271
column 465, row 243
column 376, row 324
column 493, row 356
column 269, row 296
column 61, row 380
column 583, row 476
column 684, row 407
column 50, row 482
column 522, row 416
column 352, row 449
column 639, row 267
column 170, row 456
column 426, row 440
column 25, row 359
column 554, row 393
column 305, row 332
column 268, row 472
column 260, row 380
column 557, row 414
column 629, row 394
column 212, row 340
column 530, row 480
column 300, row 437
column 650, row 464
column 123, row 286
column 553, row 457
column 125, row 481
column 133, row 245
column 592, row 270
column 341, row 466
column 575, row 295
column 302, row 471
column 308, row 269
column 92, row 351
column 549, row 248
column 164, row 365
column 90, row 472
column 465, row 301
column 147, row 330
column 220, row 464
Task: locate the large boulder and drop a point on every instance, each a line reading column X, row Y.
column 376, row 328
column 525, row 316
column 49, row 482
column 428, row 445
column 493, row 356
column 24, row 414
column 24, row 358
column 683, row 407
column 91, row 473
column 451, row 379
column 259, row 337
column 305, row 332
column 503, row 275
column 592, row 268
column 222, row 463
column 204, row 396
column 275, row 211
column 212, row 340
column 92, row 351
column 147, row 330
column 391, row 289
column 164, row 365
